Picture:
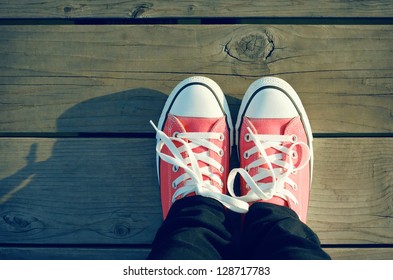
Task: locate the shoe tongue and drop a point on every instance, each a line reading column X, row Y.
column 270, row 126
column 193, row 124
column 197, row 124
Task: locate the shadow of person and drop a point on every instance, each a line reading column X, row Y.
column 95, row 184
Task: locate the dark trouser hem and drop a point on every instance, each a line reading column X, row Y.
column 196, row 228
column 276, row 233
column 193, row 230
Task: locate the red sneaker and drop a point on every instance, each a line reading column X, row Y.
column 194, row 139
column 274, row 140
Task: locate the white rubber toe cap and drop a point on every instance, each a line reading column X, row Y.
column 271, row 103
column 196, row 100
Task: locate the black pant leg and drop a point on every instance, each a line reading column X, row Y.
column 194, row 229
column 275, row 232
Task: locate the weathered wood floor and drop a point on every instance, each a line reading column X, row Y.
column 80, row 81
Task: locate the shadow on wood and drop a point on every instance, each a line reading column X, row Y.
column 83, row 190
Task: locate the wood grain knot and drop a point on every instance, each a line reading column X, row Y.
column 67, row 9
column 191, row 9
column 73, row 8
column 253, row 48
column 139, row 10
column 121, row 230
column 21, row 223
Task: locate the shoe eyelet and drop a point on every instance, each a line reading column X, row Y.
column 222, row 137
column 222, row 169
column 174, row 185
column 247, row 168
column 247, row 137
column 221, row 152
column 294, row 155
column 175, row 134
column 294, row 138
column 246, row 155
column 295, row 187
column 175, row 168
column 294, row 172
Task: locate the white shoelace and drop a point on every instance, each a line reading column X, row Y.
column 193, row 176
column 279, row 174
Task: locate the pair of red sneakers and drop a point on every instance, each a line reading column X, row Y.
column 273, row 137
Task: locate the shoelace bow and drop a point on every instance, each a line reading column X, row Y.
column 279, row 173
column 193, row 176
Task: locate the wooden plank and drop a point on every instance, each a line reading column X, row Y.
column 61, row 253
column 72, row 253
column 351, row 200
column 105, row 191
column 116, row 78
column 360, row 253
column 196, row 8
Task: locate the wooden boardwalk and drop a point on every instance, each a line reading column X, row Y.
column 80, row 81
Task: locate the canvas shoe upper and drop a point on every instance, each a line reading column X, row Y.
column 194, row 138
column 274, row 141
